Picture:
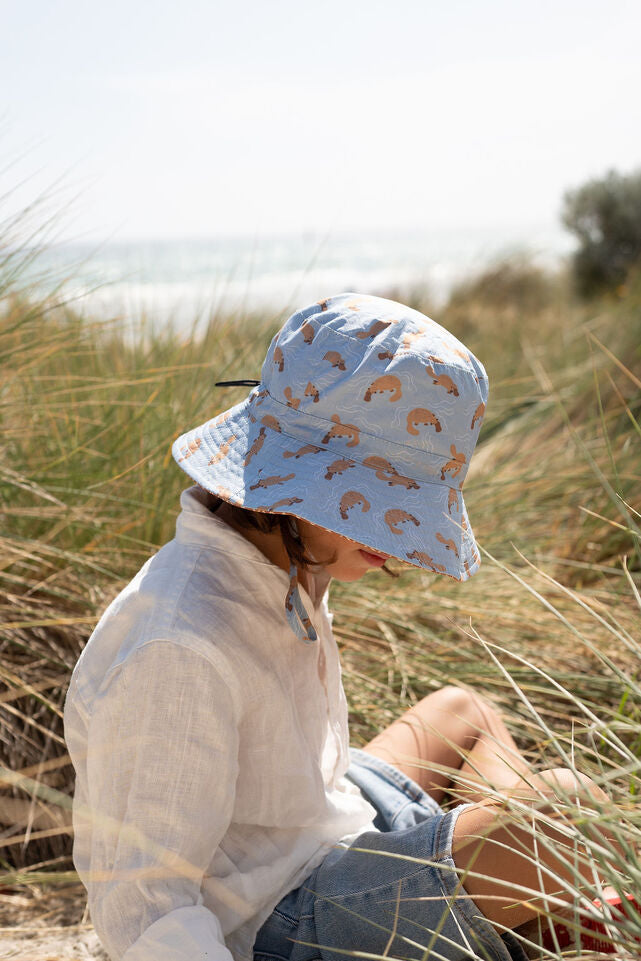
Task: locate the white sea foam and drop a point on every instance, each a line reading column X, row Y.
column 187, row 281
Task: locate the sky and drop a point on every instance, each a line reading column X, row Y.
column 166, row 120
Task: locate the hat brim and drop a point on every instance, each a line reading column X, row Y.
column 246, row 462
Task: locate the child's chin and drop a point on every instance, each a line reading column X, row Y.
column 351, row 575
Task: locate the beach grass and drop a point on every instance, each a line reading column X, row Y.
column 548, row 629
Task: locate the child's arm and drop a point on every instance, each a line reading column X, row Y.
column 161, row 773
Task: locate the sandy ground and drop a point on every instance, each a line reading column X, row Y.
column 63, row 944
column 52, row 925
column 37, row 925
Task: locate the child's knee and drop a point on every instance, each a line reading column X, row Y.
column 571, row 787
column 456, row 701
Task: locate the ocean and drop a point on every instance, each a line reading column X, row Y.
column 185, row 282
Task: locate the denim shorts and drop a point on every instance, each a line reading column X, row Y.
column 393, row 891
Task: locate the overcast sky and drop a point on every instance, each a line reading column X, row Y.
column 202, row 117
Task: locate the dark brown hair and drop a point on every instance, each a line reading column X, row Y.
column 268, row 523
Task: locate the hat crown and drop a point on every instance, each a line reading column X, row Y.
column 364, row 364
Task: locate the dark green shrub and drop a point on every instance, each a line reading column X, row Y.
column 605, row 215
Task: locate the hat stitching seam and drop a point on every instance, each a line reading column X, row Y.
column 406, row 350
column 446, row 515
column 348, row 456
column 378, row 437
column 435, row 483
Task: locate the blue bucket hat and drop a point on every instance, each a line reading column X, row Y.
column 363, row 423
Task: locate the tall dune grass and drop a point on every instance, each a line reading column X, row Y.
column 548, row 629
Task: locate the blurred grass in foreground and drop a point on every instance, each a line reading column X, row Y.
column 548, row 629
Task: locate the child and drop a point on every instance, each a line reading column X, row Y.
column 218, row 813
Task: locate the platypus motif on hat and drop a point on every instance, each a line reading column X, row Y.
column 377, row 409
column 387, row 384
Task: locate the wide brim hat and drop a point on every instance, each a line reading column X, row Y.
column 363, row 423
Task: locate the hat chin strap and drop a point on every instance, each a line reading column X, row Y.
column 297, row 616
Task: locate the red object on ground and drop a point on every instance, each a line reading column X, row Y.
column 593, row 936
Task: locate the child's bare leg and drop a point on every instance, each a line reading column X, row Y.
column 449, row 739
column 453, row 738
column 512, row 865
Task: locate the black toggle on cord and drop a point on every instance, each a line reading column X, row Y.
column 237, row 383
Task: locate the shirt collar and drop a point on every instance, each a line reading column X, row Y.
column 196, row 524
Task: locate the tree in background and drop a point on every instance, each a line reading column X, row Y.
column 605, row 215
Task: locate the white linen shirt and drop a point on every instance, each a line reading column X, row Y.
column 209, row 745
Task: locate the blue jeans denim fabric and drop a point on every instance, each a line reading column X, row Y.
column 394, row 890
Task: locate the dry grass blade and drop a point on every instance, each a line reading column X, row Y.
column 88, row 491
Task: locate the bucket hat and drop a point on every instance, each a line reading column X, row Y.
column 363, row 423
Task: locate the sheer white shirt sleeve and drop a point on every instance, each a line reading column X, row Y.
column 162, row 763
